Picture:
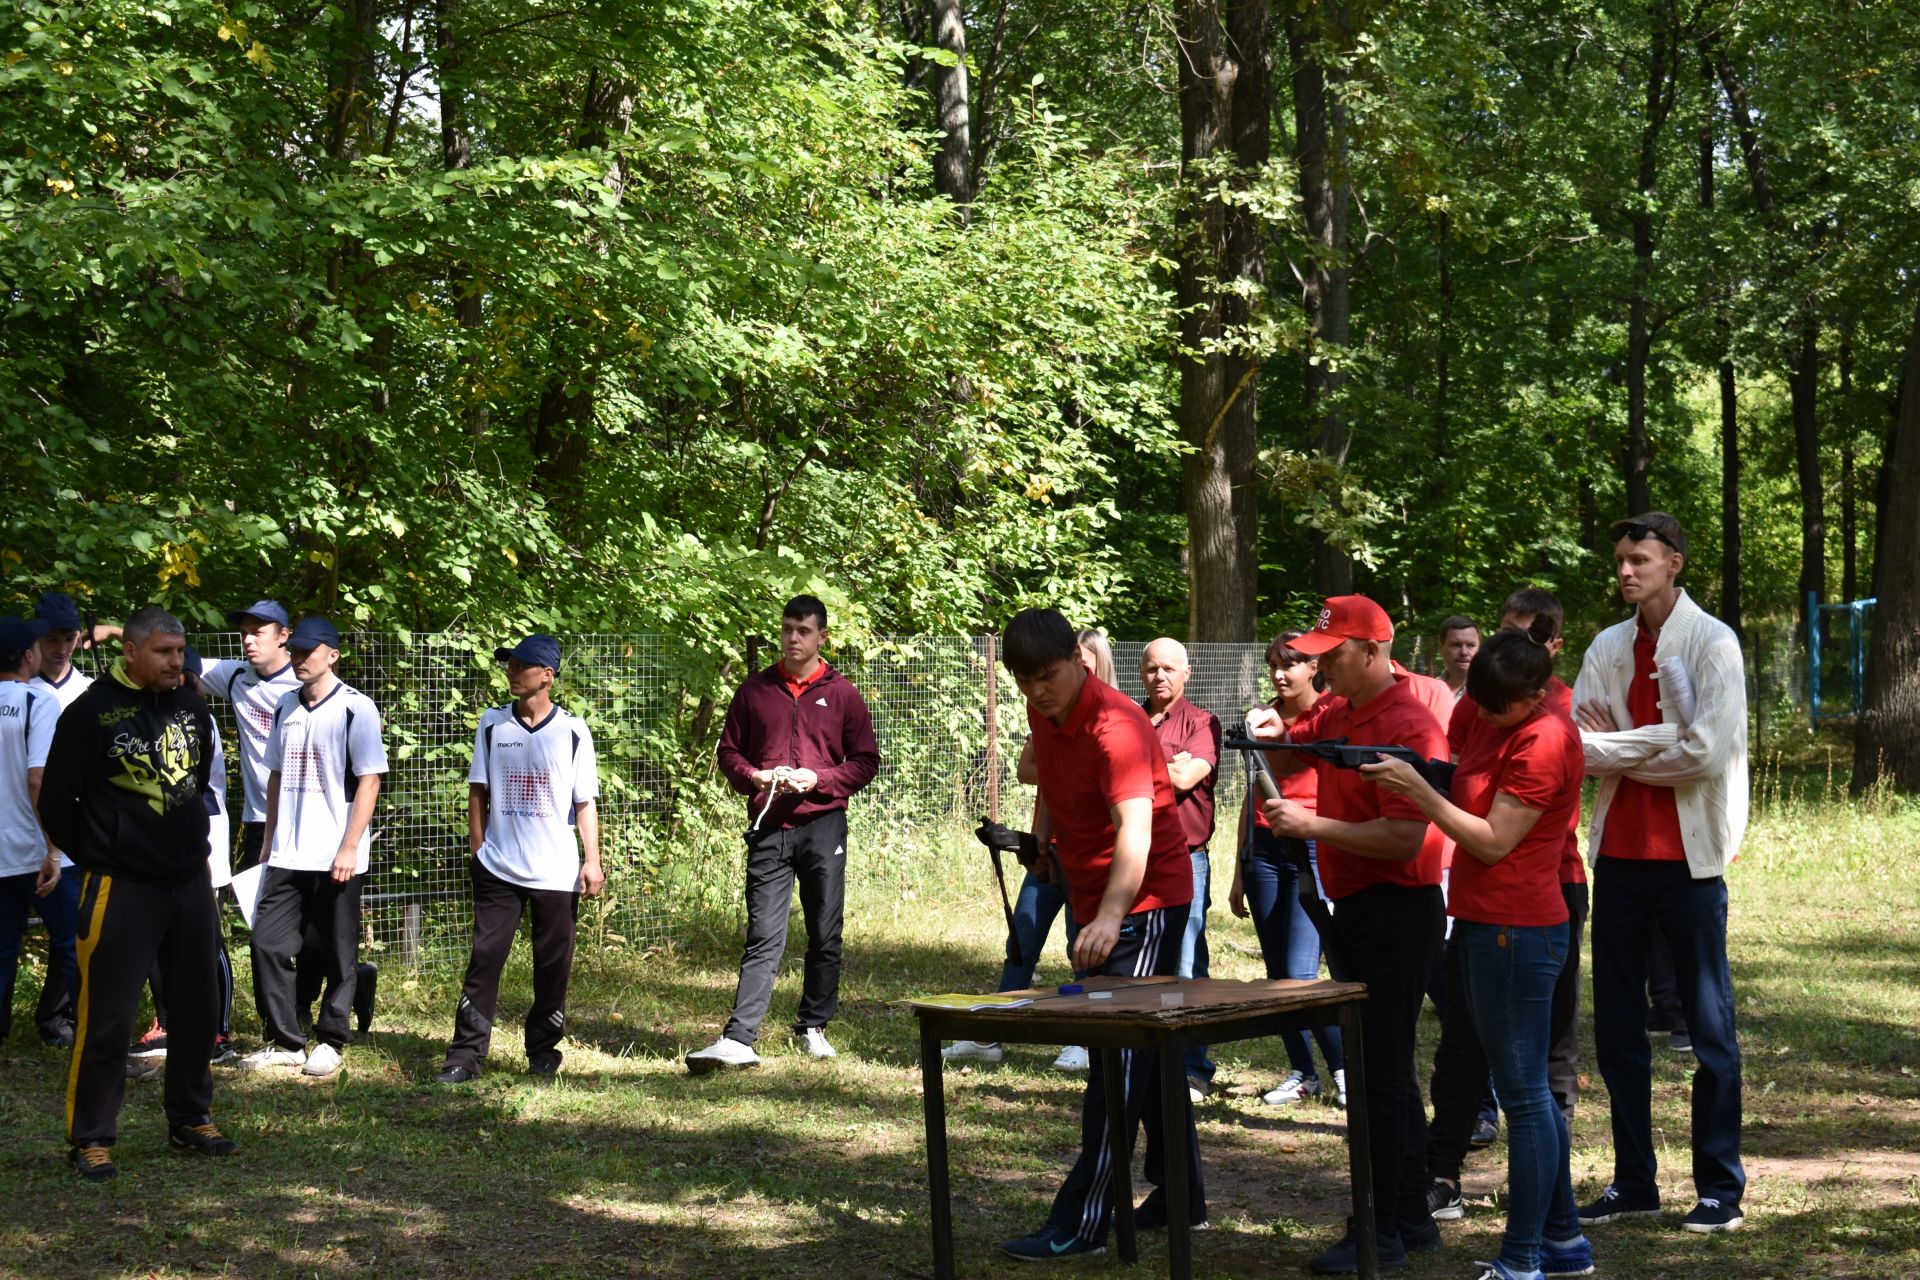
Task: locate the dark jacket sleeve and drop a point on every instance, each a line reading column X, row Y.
column 69, row 772
column 860, row 753
column 735, row 767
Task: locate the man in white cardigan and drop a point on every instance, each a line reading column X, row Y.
column 1662, row 707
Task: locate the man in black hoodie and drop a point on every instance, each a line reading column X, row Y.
column 121, row 795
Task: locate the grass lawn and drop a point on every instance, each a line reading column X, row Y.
column 627, row 1166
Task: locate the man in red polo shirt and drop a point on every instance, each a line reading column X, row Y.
column 798, row 743
column 1103, row 778
column 1380, row 864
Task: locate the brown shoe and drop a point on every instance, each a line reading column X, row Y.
column 93, row 1164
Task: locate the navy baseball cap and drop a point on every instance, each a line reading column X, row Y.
column 312, row 633
column 18, row 634
column 58, row 611
column 190, row 660
column 535, row 651
column 261, row 611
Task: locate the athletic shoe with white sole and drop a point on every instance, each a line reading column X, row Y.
column 723, row 1054
column 1443, row 1201
column 1047, row 1244
column 814, row 1041
column 973, row 1051
column 273, row 1056
column 1295, row 1086
column 151, row 1045
column 1340, row 1088
column 322, row 1060
column 1574, row 1259
column 1073, row 1058
column 1498, row 1270
column 1614, row 1207
column 1710, row 1215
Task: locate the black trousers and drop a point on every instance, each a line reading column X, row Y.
column 124, row 927
column 1386, row 938
column 1663, row 987
column 292, row 903
column 497, row 907
column 222, row 982
column 1563, row 1049
column 1149, row 943
column 815, row 855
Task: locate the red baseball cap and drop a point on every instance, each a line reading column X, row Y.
column 1344, row 618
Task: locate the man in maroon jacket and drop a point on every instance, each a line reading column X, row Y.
column 797, row 743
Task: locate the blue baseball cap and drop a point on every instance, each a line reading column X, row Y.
column 312, row 633
column 535, row 651
column 190, row 660
column 261, row 611
column 58, row 611
column 18, row 634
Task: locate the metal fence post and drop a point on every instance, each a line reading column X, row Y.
column 993, row 731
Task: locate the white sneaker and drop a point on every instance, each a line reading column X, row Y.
column 1295, row 1086
column 273, row 1056
column 322, row 1060
column 814, row 1041
column 1340, row 1087
column 721, row 1054
column 1073, row 1058
column 973, row 1051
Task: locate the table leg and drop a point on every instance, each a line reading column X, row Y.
column 934, row 1091
column 1359, row 1143
column 1173, row 1156
column 1120, row 1142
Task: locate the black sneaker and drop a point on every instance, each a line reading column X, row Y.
column 1680, row 1040
column 1343, row 1259
column 1152, row 1214
column 1418, row 1235
column 1614, row 1207
column 455, row 1073
column 201, row 1140
column 544, row 1063
column 93, row 1164
column 151, row 1045
column 1486, row 1129
column 58, row 1033
column 1199, row 1088
column 1047, row 1243
column 1710, row 1215
column 1443, row 1201
column 223, row 1051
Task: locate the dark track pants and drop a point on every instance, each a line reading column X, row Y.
column 497, row 907
column 816, row 856
column 1149, row 944
column 56, row 911
column 124, row 927
column 1563, row 1051
column 292, row 903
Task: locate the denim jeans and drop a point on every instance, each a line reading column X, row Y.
column 1193, row 949
column 1033, row 913
column 1631, row 900
column 1289, row 943
column 1509, row 974
column 60, row 911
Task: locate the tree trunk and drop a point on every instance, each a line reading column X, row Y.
column 1225, row 102
column 1803, row 384
column 1886, row 741
column 456, row 153
column 1731, row 602
column 1320, row 156
column 1637, row 456
column 953, row 164
column 1849, row 507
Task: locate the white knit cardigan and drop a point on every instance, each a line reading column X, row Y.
column 1704, row 762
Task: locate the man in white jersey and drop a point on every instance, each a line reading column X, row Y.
column 325, row 759
column 255, row 686
column 29, row 867
column 60, row 908
column 532, row 785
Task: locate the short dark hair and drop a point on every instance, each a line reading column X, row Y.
column 1511, row 666
column 1280, row 649
column 802, row 607
column 11, row 660
column 1459, row 622
column 1537, row 603
column 1650, row 524
column 149, row 620
column 1035, row 640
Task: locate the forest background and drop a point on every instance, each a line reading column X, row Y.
column 1179, row 314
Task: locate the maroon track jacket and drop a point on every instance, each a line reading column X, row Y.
column 826, row 729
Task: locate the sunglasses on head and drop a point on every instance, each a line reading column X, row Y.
column 1641, row 532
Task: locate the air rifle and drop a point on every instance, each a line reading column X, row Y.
column 1344, row 755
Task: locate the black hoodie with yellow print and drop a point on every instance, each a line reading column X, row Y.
column 122, row 790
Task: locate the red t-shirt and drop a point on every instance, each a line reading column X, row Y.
column 1643, row 823
column 1467, row 726
column 1539, row 763
column 797, row 685
column 1395, row 717
column 1302, row 786
column 1107, row 752
column 1437, row 696
column 1196, row 731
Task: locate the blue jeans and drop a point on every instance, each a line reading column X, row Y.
column 1631, row 900
column 60, row 911
column 1288, row 941
column 1193, row 949
column 1033, row 913
column 1509, row 972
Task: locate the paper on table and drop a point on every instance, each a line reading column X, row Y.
column 1676, row 690
column 972, row 1002
column 246, row 890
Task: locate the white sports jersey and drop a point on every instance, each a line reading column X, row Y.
column 219, row 835
column 321, row 753
column 27, row 717
column 254, row 700
column 67, row 690
column 534, row 778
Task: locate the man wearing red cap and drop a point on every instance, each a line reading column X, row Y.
column 1380, row 864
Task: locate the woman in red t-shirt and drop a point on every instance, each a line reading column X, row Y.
column 1512, row 797
column 1266, row 883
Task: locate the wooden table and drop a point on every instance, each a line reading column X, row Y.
column 1162, row 1015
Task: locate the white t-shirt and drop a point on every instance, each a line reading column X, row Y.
column 27, row 717
column 219, row 835
column 76, row 683
column 534, row 778
column 321, row 753
column 254, row 700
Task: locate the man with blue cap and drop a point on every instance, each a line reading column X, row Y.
column 325, row 760
column 531, row 787
column 255, row 685
column 29, row 868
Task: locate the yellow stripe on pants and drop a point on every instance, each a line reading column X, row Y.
column 89, row 938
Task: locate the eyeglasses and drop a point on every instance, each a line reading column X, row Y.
column 1641, row 532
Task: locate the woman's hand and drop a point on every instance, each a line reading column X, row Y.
column 1237, row 896
column 1396, row 776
